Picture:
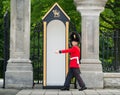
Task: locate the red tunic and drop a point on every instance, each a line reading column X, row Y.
column 74, row 56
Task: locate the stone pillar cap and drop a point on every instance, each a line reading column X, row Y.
column 90, row 3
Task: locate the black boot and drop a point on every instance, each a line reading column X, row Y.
column 64, row 88
column 82, row 88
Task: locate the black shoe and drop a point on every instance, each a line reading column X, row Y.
column 64, row 88
column 83, row 88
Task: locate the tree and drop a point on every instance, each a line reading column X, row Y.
column 110, row 24
column 4, row 5
column 40, row 8
column 109, row 19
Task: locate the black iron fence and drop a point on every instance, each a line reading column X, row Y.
column 36, row 49
column 37, row 52
column 4, row 46
column 110, row 51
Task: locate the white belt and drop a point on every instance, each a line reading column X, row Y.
column 76, row 59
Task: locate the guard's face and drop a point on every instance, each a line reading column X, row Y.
column 74, row 43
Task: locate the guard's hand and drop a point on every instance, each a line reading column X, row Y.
column 57, row 51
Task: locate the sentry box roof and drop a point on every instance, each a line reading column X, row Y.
column 56, row 12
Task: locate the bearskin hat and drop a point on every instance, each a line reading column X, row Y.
column 74, row 36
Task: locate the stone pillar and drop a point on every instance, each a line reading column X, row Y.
column 91, row 67
column 19, row 73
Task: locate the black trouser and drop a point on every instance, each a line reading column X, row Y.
column 74, row 72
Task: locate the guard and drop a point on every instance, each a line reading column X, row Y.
column 74, row 65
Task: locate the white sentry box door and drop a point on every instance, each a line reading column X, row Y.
column 55, row 62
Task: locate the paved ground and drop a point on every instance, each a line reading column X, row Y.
column 58, row 92
column 8, row 91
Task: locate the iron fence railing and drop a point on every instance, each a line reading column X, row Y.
column 110, row 51
column 36, row 52
column 4, row 56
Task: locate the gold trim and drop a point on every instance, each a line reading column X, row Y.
column 45, row 51
column 44, row 54
column 66, row 56
column 56, row 4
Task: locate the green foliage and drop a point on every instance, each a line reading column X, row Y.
column 109, row 20
column 4, row 5
column 110, row 23
column 1, row 28
column 40, row 7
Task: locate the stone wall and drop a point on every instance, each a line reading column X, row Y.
column 112, row 80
